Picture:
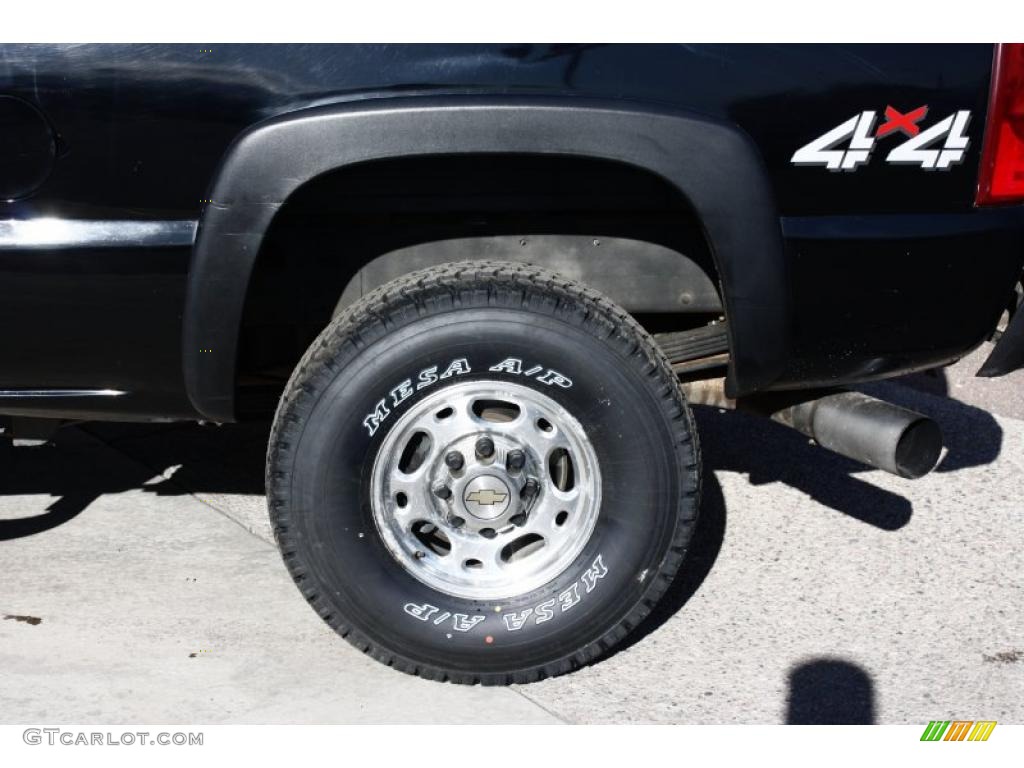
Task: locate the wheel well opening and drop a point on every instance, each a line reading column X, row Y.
column 619, row 228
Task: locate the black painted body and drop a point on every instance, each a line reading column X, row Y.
column 888, row 269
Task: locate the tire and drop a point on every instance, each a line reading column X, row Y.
column 364, row 427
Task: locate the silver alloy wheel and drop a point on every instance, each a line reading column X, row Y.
column 486, row 490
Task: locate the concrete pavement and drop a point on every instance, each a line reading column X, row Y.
column 154, row 607
column 815, row 590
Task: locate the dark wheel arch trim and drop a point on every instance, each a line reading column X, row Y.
column 713, row 164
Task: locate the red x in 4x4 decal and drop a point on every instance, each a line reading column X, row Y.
column 906, row 123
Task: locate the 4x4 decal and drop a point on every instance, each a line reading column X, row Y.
column 921, row 146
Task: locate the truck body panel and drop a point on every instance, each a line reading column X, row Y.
column 888, row 267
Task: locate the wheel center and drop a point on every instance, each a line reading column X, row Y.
column 486, row 497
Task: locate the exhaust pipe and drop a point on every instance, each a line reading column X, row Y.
column 852, row 424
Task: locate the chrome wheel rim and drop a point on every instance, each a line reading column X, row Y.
column 486, row 490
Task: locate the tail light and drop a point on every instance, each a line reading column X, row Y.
column 1001, row 177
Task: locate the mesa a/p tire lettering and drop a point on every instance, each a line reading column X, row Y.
column 460, row 622
column 428, row 376
column 483, row 473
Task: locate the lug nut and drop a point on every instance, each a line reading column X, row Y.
column 454, row 461
column 457, row 522
column 519, row 519
column 515, row 461
column 484, row 448
column 443, row 492
column 488, row 533
column 530, row 490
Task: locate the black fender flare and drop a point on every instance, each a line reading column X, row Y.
column 714, row 165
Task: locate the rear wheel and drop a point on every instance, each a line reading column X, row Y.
column 483, row 473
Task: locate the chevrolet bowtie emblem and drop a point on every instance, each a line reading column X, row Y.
column 487, row 497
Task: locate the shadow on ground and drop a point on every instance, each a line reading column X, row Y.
column 830, row 692
column 768, row 453
column 170, row 459
column 195, row 458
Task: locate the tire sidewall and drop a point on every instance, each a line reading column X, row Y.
column 327, row 480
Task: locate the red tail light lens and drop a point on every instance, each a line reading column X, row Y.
column 1001, row 177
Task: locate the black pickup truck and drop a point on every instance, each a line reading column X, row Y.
column 477, row 288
